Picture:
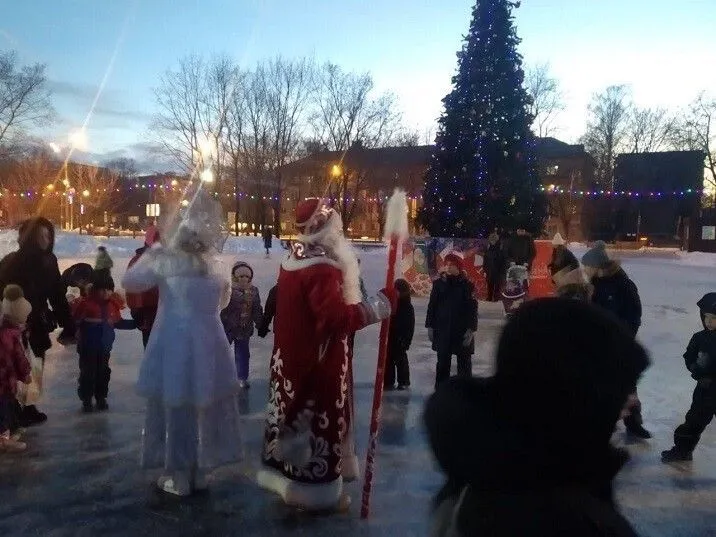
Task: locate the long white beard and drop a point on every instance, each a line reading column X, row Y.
column 339, row 248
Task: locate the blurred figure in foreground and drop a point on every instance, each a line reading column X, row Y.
column 527, row 452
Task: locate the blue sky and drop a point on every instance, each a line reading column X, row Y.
column 661, row 47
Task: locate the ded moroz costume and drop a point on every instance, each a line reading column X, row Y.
column 308, row 442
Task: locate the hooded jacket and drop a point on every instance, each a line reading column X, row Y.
column 618, row 294
column 700, row 355
column 37, row 272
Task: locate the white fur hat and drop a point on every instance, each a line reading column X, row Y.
column 15, row 306
column 557, row 240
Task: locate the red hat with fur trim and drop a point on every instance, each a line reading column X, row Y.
column 454, row 259
column 305, row 210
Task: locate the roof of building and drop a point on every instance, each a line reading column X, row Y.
column 408, row 156
column 661, row 171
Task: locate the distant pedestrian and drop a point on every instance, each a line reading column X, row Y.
column 103, row 263
column 268, row 240
column 494, row 266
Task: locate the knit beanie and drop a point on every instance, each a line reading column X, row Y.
column 241, row 264
column 597, row 256
column 101, row 281
column 15, row 306
column 582, row 379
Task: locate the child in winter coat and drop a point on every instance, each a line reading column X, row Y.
column 97, row 314
column 240, row 316
column 700, row 357
column 400, row 336
column 14, row 365
column 103, row 263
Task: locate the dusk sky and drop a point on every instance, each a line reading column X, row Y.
column 662, row 48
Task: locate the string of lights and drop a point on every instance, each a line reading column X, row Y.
column 550, row 190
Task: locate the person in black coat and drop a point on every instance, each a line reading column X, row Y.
column 494, row 266
column 268, row 239
column 520, row 249
column 452, row 320
column 511, row 467
column 616, row 293
column 400, row 336
column 34, row 268
column 700, row 358
column 269, row 313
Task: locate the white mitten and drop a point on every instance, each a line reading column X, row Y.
column 377, row 308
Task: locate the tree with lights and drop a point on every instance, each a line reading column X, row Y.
column 482, row 173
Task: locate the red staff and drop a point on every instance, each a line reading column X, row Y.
column 396, row 231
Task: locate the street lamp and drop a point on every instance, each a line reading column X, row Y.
column 336, row 171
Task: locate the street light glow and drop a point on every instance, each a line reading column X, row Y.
column 336, row 170
column 184, row 203
column 78, row 139
column 51, row 187
column 207, row 176
column 85, row 193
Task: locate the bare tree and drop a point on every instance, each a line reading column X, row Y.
column 649, row 129
column 607, row 130
column 95, row 190
column 696, row 131
column 563, row 205
column 24, row 97
column 547, row 100
column 193, row 103
column 125, row 168
column 348, row 117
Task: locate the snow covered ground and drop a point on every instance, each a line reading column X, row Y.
column 80, row 474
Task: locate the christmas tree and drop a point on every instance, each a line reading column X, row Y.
column 482, row 173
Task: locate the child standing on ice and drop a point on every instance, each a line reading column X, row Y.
column 188, row 375
column 402, row 327
column 241, row 315
column 14, row 365
column 97, row 314
column 700, row 357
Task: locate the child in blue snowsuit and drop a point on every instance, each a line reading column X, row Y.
column 240, row 316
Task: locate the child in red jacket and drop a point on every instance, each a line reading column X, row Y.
column 97, row 315
column 14, row 365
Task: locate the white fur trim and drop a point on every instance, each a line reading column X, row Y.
column 339, row 252
column 396, row 216
column 308, row 495
column 351, row 468
column 292, row 263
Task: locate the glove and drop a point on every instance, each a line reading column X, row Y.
column 468, row 338
column 431, row 335
column 381, row 306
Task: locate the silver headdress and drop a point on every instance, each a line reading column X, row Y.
column 199, row 227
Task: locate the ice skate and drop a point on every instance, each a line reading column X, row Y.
column 102, row 405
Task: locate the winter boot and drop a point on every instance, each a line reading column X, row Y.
column 31, row 416
column 638, row 431
column 102, row 404
column 676, row 455
column 87, row 406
